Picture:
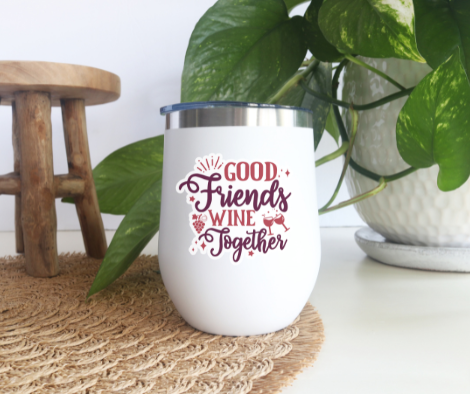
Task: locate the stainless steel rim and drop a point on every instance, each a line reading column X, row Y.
column 238, row 116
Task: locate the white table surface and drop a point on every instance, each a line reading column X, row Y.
column 388, row 330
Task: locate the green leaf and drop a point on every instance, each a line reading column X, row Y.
column 317, row 44
column 434, row 125
column 320, row 81
column 441, row 27
column 371, row 28
column 291, row 4
column 242, row 50
column 134, row 233
column 332, row 126
column 123, row 176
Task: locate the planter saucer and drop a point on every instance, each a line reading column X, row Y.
column 410, row 256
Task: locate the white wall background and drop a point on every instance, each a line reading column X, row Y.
column 144, row 42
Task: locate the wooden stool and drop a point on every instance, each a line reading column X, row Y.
column 31, row 88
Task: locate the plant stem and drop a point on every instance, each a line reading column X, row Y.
column 382, row 185
column 364, row 171
column 335, row 80
column 357, row 107
column 384, row 100
column 293, row 82
column 344, row 136
column 357, row 167
column 398, row 175
column 374, row 70
column 355, row 117
column 305, row 63
column 337, row 153
column 323, row 96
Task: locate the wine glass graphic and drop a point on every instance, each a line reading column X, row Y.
column 268, row 221
column 279, row 219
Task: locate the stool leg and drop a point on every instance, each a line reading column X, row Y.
column 33, row 120
column 16, row 169
column 78, row 155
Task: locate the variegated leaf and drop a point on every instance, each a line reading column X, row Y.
column 371, row 28
column 320, row 81
column 316, row 41
column 291, row 4
column 442, row 26
column 434, row 124
column 242, row 50
column 332, row 126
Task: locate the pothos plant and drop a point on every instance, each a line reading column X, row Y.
column 252, row 50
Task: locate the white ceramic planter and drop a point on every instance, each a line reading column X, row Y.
column 411, row 210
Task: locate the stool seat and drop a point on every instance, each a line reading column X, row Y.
column 60, row 80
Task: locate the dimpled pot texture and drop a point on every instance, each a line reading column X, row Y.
column 411, row 210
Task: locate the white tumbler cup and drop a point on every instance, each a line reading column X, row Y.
column 239, row 245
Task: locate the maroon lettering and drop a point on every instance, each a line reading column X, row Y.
column 238, row 198
column 274, row 196
column 237, row 219
column 193, row 187
column 231, row 176
column 270, row 165
column 217, row 220
column 256, row 170
column 249, row 218
column 256, row 240
column 246, row 171
column 253, row 171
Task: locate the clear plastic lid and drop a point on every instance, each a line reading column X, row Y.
column 219, row 104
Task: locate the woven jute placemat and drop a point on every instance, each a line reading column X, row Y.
column 130, row 339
